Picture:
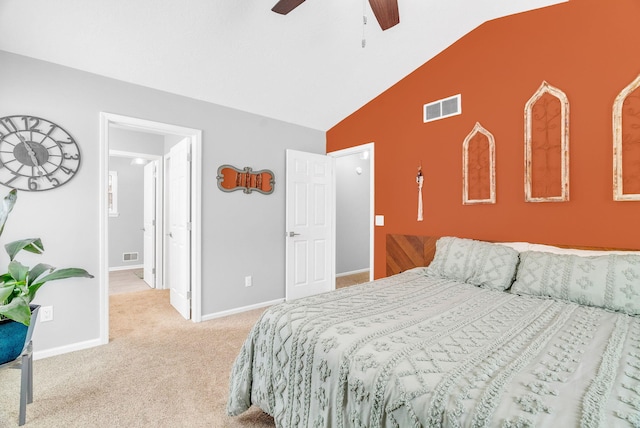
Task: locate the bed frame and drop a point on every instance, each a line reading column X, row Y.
column 408, row 251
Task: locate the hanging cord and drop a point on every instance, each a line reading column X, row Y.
column 364, row 22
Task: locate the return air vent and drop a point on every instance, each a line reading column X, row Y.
column 129, row 257
column 445, row 107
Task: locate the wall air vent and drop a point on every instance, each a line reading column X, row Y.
column 445, row 107
column 129, row 257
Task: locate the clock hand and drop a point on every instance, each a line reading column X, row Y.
column 30, row 151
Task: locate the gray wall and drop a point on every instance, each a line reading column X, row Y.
column 67, row 218
column 125, row 230
column 137, row 142
column 352, row 214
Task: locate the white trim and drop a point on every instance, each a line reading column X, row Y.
column 221, row 314
column 118, row 268
column 370, row 147
column 353, row 272
column 52, row 352
column 113, row 179
column 132, row 155
column 110, row 119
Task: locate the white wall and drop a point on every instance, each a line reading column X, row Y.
column 352, row 214
column 67, row 218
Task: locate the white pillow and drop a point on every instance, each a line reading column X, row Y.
column 518, row 246
column 576, row 252
column 528, row 246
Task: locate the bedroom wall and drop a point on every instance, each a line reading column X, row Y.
column 67, row 218
column 587, row 48
column 352, row 214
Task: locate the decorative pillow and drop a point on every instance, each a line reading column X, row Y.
column 609, row 281
column 478, row 263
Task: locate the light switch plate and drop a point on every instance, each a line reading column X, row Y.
column 379, row 220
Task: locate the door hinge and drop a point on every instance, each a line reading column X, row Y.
column 153, row 271
column 153, row 222
column 189, row 157
column 188, row 225
column 188, row 295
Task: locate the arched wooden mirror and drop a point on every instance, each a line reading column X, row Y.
column 547, row 146
column 479, row 167
column 626, row 143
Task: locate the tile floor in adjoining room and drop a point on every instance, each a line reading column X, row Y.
column 126, row 281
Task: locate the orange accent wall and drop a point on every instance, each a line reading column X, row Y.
column 586, row 48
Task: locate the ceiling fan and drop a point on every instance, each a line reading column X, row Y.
column 386, row 11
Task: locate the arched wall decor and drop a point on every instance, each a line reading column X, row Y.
column 231, row 179
column 546, row 151
column 479, row 167
column 626, row 143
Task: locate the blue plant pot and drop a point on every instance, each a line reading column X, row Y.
column 12, row 338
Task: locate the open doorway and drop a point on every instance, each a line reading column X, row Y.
column 135, row 205
column 155, row 143
column 354, row 214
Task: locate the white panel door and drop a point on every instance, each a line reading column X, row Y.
column 179, row 228
column 149, row 224
column 310, row 214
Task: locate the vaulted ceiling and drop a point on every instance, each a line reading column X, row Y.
column 308, row 67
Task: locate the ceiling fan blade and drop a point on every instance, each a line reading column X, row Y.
column 285, row 6
column 386, row 12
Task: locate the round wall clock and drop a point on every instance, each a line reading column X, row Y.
column 36, row 154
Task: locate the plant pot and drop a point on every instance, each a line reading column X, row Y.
column 14, row 336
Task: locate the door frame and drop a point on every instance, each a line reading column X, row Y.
column 159, row 198
column 368, row 147
column 106, row 121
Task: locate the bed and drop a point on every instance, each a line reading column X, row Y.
column 488, row 335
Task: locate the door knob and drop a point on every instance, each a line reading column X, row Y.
column 292, row 234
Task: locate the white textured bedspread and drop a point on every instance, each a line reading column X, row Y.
column 413, row 351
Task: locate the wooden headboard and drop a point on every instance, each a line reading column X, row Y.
column 408, row 251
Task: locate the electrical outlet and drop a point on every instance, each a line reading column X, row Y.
column 46, row 313
column 248, row 281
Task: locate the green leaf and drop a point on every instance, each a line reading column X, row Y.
column 33, row 245
column 18, row 271
column 58, row 274
column 17, row 310
column 5, row 292
column 5, row 208
column 38, row 270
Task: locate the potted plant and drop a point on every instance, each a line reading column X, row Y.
column 19, row 285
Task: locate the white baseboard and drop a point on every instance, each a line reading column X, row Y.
column 37, row 355
column 353, row 272
column 241, row 309
column 113, row 269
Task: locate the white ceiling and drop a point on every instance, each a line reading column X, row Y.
column 307, row 67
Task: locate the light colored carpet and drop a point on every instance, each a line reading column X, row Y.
column 353, row 279
column 158, row 370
